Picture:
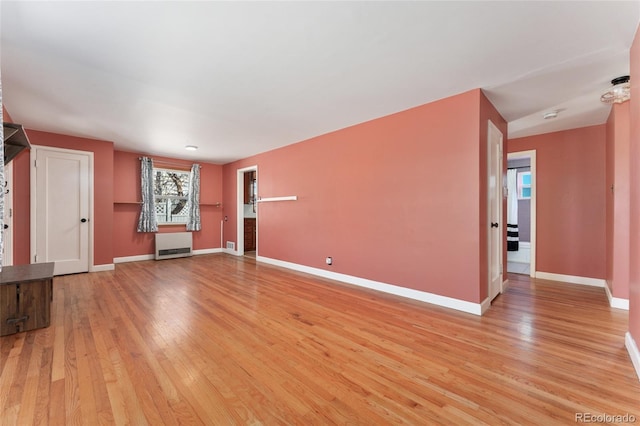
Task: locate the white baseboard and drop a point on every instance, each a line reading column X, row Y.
column 137, row 258
column 505, row 284
column 102, row 268
column 595, row 282
column 231, row 252
column 484, row 306
column 616, row 302
column 142, row 257
column 634, row 353
column 423, row 296
column 207, row 251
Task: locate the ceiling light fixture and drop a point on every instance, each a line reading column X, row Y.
column 619, row 93
column 191, row 147
column 550, row 114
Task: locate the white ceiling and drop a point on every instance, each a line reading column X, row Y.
column 239, row 78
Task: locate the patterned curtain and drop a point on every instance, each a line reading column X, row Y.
column 1, row 179
column 148, row 221
column 193, row 202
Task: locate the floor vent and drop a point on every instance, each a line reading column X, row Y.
column 175, row 244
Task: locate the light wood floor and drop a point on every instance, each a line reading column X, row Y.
column 220, row 340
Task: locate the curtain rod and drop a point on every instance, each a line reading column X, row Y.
column 169, row 163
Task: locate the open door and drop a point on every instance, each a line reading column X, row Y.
column 495, row 225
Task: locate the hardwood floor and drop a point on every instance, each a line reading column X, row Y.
column 216, row 339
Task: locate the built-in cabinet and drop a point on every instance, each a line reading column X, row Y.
column 25, row 297
column 249, row 187
column 249, row 202
column 249, row 234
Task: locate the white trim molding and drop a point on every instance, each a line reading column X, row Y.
column 240, row 207
column 532, row 155
column 232, row 252
column 484, row 306
column 595, row 282
column 616, row 302
column 423, row 296
column 634, row 353
column 206, row 251
column 102, row 268
column 142, row 257
column 505, row 284
column 137, row 258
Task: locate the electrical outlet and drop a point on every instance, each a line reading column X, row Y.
column 329, row 260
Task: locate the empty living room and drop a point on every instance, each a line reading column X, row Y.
column 279, row 213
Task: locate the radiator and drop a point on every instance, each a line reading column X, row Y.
column 176, row 244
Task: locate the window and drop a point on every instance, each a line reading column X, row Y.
column 524, row 185
column 171, row 191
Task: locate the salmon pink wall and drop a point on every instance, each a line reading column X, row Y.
column 634, row 235
column 618, row 207
column 102, row 185
column 126, row 209
column 5, row 115
column 394, row 200
column 571, row 200
column 21, row 204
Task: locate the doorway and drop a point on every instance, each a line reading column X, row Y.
column 247, row 209
column 521, row 213
column 61, row 199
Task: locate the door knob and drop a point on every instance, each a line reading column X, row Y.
column 494, row 224
column 6, row 226
column 83, row 220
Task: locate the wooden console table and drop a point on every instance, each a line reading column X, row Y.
column 26, row 292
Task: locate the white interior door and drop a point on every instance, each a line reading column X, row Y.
column 7, row 232
column 494, row 150
column 60, row 218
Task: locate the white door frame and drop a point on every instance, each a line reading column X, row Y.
column 33, row 240
column 240, row 210
column 491, row 128
column 531, row 154
column 7, row 256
